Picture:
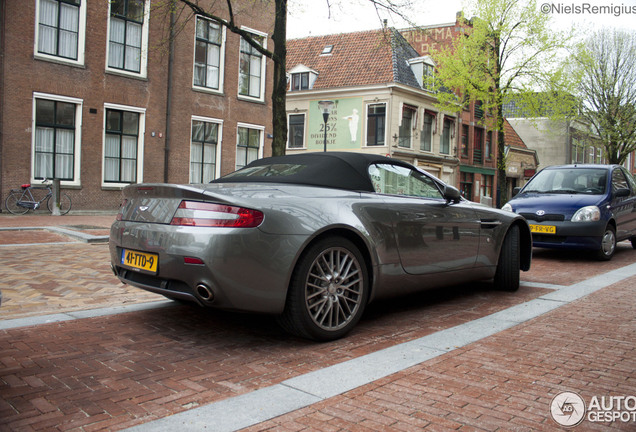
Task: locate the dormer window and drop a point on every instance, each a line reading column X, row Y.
column 302, row 78
column 424, row 70
column 300, row 81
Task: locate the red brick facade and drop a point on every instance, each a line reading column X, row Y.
column 478, row 152
column 25, row 75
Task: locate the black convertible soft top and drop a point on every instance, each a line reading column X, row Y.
column 340, row 170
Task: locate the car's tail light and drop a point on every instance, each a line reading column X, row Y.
column 193, row 213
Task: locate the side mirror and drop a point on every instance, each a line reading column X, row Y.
column 622, row 192
column 516, row 191
column 451, row 194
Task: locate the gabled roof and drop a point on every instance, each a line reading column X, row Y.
column 361, row 58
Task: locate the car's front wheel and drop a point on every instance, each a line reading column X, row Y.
column 328, row 291
column 608, row 244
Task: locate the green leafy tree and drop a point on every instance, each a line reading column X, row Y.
column 606, row 65
column 507, row 48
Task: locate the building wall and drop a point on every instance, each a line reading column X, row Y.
column 25, row 74
column 395, row 97
column 472, row 174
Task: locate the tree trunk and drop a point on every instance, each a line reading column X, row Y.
column 279, row 92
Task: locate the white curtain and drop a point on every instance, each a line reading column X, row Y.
column 69, row 29
column 255, row 76
column 116, row 45
column 133, row 46
column 196, row 155
column 47, row 35
column 44, row 152
column 64, row 144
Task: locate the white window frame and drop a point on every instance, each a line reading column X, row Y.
column 221, row 60
column 261, row 97
column 260, row 144
column 143, row 67
column 386, row 123
column 81, row 38
column 219, row 122
column 140, row 144
column 77, row 156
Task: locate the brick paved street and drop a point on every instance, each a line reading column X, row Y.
column 117, row 371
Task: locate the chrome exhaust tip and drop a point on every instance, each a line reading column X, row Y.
column 204, row 292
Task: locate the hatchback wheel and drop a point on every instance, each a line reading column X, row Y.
column 328, row 291
column 608, row 244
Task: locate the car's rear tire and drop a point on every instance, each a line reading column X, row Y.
column 328, row 291
column 509, row 264
column 608, row 244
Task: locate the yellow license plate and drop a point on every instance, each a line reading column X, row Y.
column 140, row 260
column 543, row 229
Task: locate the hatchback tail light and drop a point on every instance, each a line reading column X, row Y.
column 194, row 213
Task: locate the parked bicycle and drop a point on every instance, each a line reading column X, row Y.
column 20, row 201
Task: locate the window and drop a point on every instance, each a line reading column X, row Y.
column 296, row 138
column 426, row 138
column 406, row 127
column 428, row 78
column 300, row 81
column 56, row 138
column 328, row 49
column 466, row 181
column 486, row 187
column 252, row 69
column 204, row 148
column 446, row 137
column 376, row 124
column 60, row 32
column 465, row 140
column 478, row 139
column 123, row 149
column 128, row 35
column 578, row 151
column 618, row 180
column 488, row 148
column 397, row 180
column 249, row 144
column 208, row 55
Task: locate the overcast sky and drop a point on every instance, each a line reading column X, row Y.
column 311, row 17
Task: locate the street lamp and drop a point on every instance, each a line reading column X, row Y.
column 325, row 107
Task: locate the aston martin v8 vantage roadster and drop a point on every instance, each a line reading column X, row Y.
column 312, row 238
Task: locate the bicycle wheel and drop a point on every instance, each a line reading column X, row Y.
column 11, row 203
column 65, row 203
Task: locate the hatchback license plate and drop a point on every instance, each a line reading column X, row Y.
column 140, row 260
column 543, row 229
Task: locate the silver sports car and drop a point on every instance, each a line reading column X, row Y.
column 312, row 238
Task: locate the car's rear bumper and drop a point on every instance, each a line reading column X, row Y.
column 239, row 269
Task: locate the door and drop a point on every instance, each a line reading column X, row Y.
column 432, row 235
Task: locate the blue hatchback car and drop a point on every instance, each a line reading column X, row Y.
column 588, row 207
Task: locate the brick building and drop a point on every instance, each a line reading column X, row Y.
column 102, row 94
column 477, row 146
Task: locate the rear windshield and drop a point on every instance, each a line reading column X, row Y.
column 590, row 181
column 273, row 170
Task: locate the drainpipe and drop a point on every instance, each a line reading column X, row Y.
column 166, row 157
